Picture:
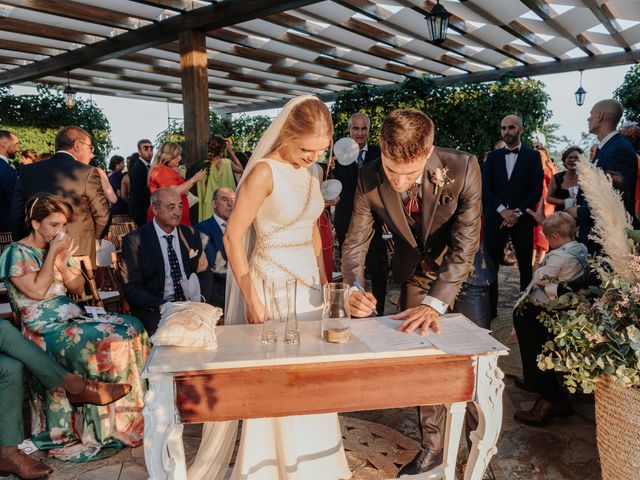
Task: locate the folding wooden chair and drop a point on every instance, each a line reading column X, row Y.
column 118, row 231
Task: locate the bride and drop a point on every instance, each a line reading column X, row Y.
column 273, row 234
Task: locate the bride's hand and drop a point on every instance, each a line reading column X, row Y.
column 256, row 312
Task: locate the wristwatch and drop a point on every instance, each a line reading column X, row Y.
column 518, row 212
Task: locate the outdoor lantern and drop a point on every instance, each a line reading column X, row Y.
column 437, row 23
column 70, row 93
column 581, row 93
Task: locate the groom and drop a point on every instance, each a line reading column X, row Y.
column 430, row 197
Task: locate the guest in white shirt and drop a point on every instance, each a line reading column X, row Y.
column 214, row 229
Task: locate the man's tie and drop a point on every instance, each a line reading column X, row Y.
column 176, row 274
column 514, row 151
column 412, row 204
column 360, row 159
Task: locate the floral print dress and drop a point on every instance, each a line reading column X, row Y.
column 113, row 349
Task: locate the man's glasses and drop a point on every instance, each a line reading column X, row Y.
column 147, row 147
column 87, row 144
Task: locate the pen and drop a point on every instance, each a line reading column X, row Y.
column 360, row 289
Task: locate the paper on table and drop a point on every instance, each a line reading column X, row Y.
column 459, row 335
column 380, row 335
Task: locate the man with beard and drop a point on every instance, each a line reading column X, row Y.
column 8, row 177
column 139, row 184
column 512, row 183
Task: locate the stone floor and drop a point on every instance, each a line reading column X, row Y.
column 565, row 450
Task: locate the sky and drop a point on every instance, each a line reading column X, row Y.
column 132, row 120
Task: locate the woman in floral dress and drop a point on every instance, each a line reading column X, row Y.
column 39, row 271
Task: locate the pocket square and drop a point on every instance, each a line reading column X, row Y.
column 193, row 253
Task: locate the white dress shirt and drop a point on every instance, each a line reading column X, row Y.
column 220, row 265
column 168, row 282
column 510, row 163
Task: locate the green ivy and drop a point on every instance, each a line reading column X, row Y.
column 467, row 117
column 629, row 94
column 244, row 130
column 35, row 119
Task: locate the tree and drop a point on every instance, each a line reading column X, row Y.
column 36, row 119
column 629, row 94
column 244, row 130
column 467, row 117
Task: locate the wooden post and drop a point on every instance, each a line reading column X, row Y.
column 195, row 95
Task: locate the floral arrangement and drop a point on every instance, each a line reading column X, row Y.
column 596, row 331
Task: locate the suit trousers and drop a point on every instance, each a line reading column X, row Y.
column 17, row 352
column 496, row 238
column 472, row 302
column 532, row 335
column 376, row 264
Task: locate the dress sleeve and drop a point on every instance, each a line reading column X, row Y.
column 17, row 261
column 168, row 177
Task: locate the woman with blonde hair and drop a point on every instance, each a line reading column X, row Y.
column 164, row 173
column 540, row 243
column 219, row 172
column 273, row 235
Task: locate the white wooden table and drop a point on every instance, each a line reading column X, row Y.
column 246, row 379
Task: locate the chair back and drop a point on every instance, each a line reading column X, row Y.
column 90, row 296
column 5, row 240
column 118, row 230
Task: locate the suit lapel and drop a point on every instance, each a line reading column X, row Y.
column 152, row 241
column 502, row 165
column 430, row 199
column 520, row 159
column 217, row 237
column 184, row 250
column 393, row 204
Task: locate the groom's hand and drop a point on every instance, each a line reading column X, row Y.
column 422, row 317
column 361, row 304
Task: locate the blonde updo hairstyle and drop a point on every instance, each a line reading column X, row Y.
column 311, row 117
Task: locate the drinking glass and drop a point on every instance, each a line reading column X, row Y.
column 269, row 332
column 291, row 331
column 335, row 314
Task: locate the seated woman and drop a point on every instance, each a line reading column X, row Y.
column 40, row 270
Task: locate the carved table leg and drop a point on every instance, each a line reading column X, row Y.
column 489, row 403
column 455, row 419
column 163, row 447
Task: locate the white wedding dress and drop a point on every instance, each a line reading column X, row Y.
column 307, row 447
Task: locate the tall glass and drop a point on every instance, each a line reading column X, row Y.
column 269, row 331
column 335, row 314
column 291, row 331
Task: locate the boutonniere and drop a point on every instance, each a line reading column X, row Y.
column 439, row 179
column 193, row 253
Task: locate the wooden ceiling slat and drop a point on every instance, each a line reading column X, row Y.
column 175, row 5
column 607, row 19
column 215, row 16
column 45, row 31
column 78, row 11
column 544, row 10
column 27, row 47
column 514, row 28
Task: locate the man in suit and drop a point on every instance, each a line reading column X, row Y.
column 431, row 198
column 376, row 262
column 214, row 228
column 614, row 155
column 159, row 258
column 9, row 144
column 512, row 183
column 67, row 174
column 138, row 179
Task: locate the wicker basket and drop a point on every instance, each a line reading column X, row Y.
column 618, row 430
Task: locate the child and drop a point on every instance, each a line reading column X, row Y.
column 565, row 262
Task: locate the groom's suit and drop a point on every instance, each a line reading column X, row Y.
column 437, row 263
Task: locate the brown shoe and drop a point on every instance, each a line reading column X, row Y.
column 23, row 466
column 99, row 393
column 543, row 412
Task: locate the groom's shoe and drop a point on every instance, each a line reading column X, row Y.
column 424, row 461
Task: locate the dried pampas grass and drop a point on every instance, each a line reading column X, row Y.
column 611, row 219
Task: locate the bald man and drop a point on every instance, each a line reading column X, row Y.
column 511, row 182
column 614, row 155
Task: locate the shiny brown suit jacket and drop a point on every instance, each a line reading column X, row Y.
column 450, row 223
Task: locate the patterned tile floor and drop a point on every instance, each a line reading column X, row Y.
column 565, row 450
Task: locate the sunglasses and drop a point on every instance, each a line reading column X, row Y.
column 147, row 147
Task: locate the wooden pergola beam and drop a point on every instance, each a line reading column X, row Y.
column 223, row 14
column 545, row 68
column 603, row 14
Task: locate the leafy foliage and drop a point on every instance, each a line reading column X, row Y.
column 35, row 119
column 629, row 94
column 467, row 117
column 244, row 130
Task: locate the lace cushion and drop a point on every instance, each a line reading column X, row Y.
column 187, row 324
